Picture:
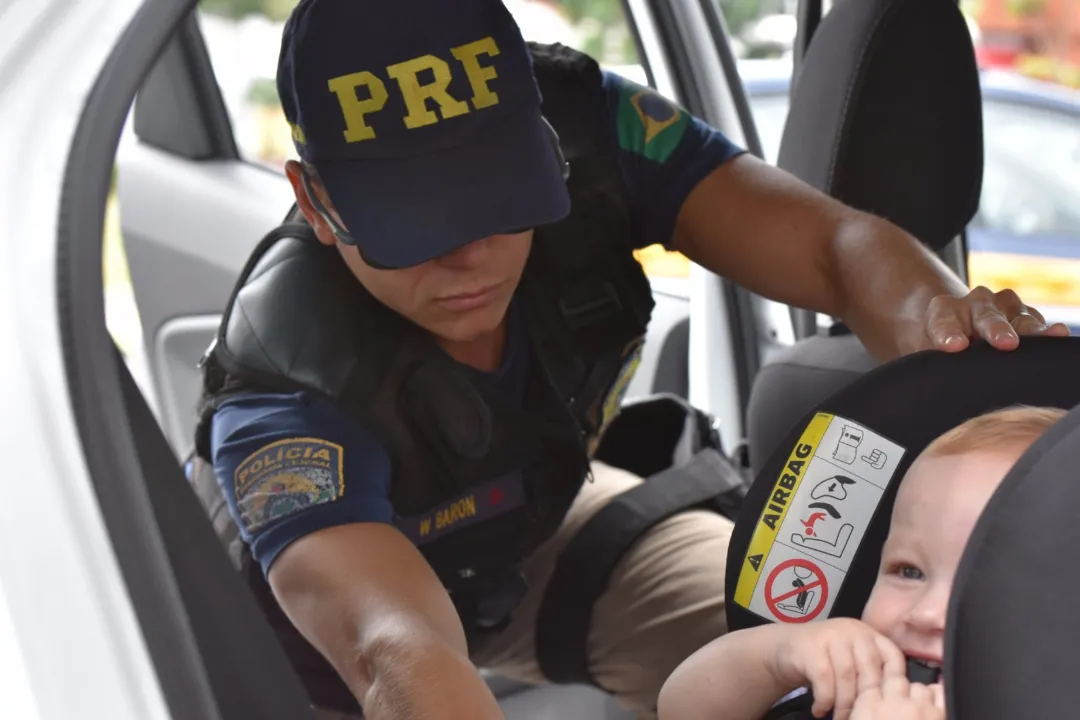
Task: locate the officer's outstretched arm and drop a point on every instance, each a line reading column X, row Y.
column 732, row 677
column 779, row 237
column 364, row 596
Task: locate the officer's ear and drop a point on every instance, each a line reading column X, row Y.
column 294, row 171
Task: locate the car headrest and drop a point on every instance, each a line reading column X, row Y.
column 1013, row 624
column 808, row 539
column 886, row 115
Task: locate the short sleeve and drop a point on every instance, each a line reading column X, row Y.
column 292, row 464
column 663, row 151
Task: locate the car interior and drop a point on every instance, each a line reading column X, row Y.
column 192, row 208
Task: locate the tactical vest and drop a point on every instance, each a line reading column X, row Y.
column 299, row 320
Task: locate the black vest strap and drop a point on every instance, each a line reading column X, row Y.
column 585, row 565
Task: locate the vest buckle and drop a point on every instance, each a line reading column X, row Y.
column 589, row 304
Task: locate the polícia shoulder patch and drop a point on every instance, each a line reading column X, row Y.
column 650, row 125
column 285, row 477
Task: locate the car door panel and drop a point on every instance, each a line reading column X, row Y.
column 188, row 227
column 177, row 347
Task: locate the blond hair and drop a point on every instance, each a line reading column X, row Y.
column 1019, row 425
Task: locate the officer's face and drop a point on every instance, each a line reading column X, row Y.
column 936, row 508
column 458, row 297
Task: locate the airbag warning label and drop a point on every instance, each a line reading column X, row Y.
column 814, row 519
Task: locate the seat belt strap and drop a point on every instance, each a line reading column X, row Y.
column 584, row 567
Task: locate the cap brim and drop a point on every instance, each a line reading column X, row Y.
column 405, row 211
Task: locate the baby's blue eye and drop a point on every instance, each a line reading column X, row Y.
column 909, row 572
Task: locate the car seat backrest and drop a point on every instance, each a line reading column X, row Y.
column 1012, row 628
column 886, row 116
column 809, row 539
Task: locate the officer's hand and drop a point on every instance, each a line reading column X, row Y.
column 999, row 318
column 838, row 659
column 898, row 699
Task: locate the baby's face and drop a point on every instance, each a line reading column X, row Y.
column 937, row 505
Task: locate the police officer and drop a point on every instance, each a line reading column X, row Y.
column 410, row 378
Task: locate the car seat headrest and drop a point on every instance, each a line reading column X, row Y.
column 886, row 115
column 808, row 540
column 1013, row 624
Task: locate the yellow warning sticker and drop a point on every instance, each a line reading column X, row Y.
column 776, row 507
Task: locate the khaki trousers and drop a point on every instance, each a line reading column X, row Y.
column 665, row 600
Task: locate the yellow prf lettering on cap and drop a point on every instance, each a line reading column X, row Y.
column 479, row 76
column 353, row 108
column 416, row 95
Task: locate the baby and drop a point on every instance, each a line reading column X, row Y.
column 857, row 668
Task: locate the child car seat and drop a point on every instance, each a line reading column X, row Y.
column 808, row 542
column 819, row 510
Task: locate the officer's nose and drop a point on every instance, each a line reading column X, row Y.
column 467, row 256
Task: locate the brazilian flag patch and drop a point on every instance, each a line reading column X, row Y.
column 650, row 125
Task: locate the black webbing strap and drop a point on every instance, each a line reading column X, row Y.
column 585, row 565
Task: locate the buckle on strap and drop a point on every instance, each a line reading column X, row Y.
column 587, row 304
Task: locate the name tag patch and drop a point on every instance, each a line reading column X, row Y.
column 285, row 477
column 480, row 503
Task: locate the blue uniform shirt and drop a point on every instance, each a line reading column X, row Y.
column 292, row 464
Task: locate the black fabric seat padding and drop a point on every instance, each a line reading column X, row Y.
column 1013, row 627
column 245, row 665
column 911, row 401
column 795, row 380
column 886, row 116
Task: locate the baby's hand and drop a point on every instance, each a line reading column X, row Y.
column 839, row 659
column 897, row 699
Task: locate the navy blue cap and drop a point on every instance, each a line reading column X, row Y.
column 422, row 118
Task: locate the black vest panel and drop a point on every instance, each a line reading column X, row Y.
column 299, row 320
